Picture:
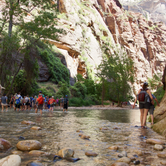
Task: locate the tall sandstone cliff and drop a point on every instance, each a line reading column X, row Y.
column 90, row 24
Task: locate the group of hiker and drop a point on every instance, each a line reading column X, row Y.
column 39, row 102
column 146, row 104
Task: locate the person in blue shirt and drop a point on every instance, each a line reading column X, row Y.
column 151, row 110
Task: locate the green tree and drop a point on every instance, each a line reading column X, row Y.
column 116, row 73
column 22, row 25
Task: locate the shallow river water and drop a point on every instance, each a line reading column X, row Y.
column 59, row 130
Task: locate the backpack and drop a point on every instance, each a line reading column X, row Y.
column 18, row 100
column 143, row 96
column 65, row 100
column 40, row 99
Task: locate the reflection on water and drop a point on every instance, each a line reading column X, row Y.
column 59, row 131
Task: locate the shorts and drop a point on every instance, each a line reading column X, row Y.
column 48, row 105
column 51, row 105
column 40, row 106
column 11, row 102
column 151, row 110
column 65, row 106
column 144, row 105
column 27, row 104
column 17, row 105
column 4, row 104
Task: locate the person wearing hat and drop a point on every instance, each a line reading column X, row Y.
column 65, row 103
column 52, row 101
column 40, row 101
column 144, row 106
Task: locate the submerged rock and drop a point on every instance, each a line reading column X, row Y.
column 85, row 136
column 36, row 152
column 124, row 160
column 28, row 122
column 34, row 164
column 4, row 144
column 66, row 153
column 155, row 141
column 29, row 145
column 113, row 147
column 12, row 160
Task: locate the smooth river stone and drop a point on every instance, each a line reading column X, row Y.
column 28, row 122
column 66, row 153
column 158, row 147
column 155, row 141
column 85, row 136
column 124, row 160
column 120, row 164
column 36, row 152
column 113, row 147
column 4, row 144
column 35, row 128
column 89, row 154
column 29, row 145
column 162, row 154
column 12, row 160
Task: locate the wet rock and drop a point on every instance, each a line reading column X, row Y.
column 66, row 153
column 120, row 155
column 28, row 122
column 124, row 160
column 136, row 162
column 17, row 152
column 120, row 164
column 34, row 164
column 158, row 147
column 116, row 128
column 155, row 141
column 103, row 128
column 131, row 157
column 113, row 147
column 79, row 131
column 91, row 154
column 35, row 128
column 29, row 145
column 4, row 144
column 12, row 160
column 85, row 136
column 80, row 134
column 22, row 138
column 36, row 152
column 57, row 158
column 163, row 162
column 162, row 154
column 123, row 154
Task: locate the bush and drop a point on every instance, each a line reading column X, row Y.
column 81, row 88
column 63, row 90
column 159, row 94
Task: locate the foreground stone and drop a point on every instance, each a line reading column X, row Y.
column 35, row 128
column 28, row 122
column 29, row 145
column 85, row 136
column 120, row 164
column 91, row 154
column 4, row 144
column 158, row 147
column 155, row 141
column 36, row 152
column 124, row 160
column 12, row 160
column 113, row 147
column 162, row 154
column 66, row 153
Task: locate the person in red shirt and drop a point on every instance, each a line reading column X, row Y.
column 52, row 101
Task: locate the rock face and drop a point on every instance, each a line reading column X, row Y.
column 12, row 160
column 92, row 24
column 4, row 144
column 29, row 145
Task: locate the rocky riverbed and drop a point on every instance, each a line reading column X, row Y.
column 80, row 137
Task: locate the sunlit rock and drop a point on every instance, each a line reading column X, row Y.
column 12, row 160
column 162, row 154
column 91, row 154
column 113, row 147
column 4, row 144
column 35, row 128
column 155, row 141
column 85, row 136
column 138, row 152
column 36, row 152
column 158, row 147
column 124, row 160
column 17, row 152
column 29, row 145
column 66, row 153
column 27, row 122
column 103, row 128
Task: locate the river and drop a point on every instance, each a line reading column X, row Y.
column 59, row 130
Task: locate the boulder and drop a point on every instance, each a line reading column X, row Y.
column 12, row 160
column 155, row 141
column 158, row 147
column 4, row 144
column 66, row 153
column 90, row 153
column 35, row 128
column 120, row 164
column 27, row 122
column 29, row 145
column 36, row 152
